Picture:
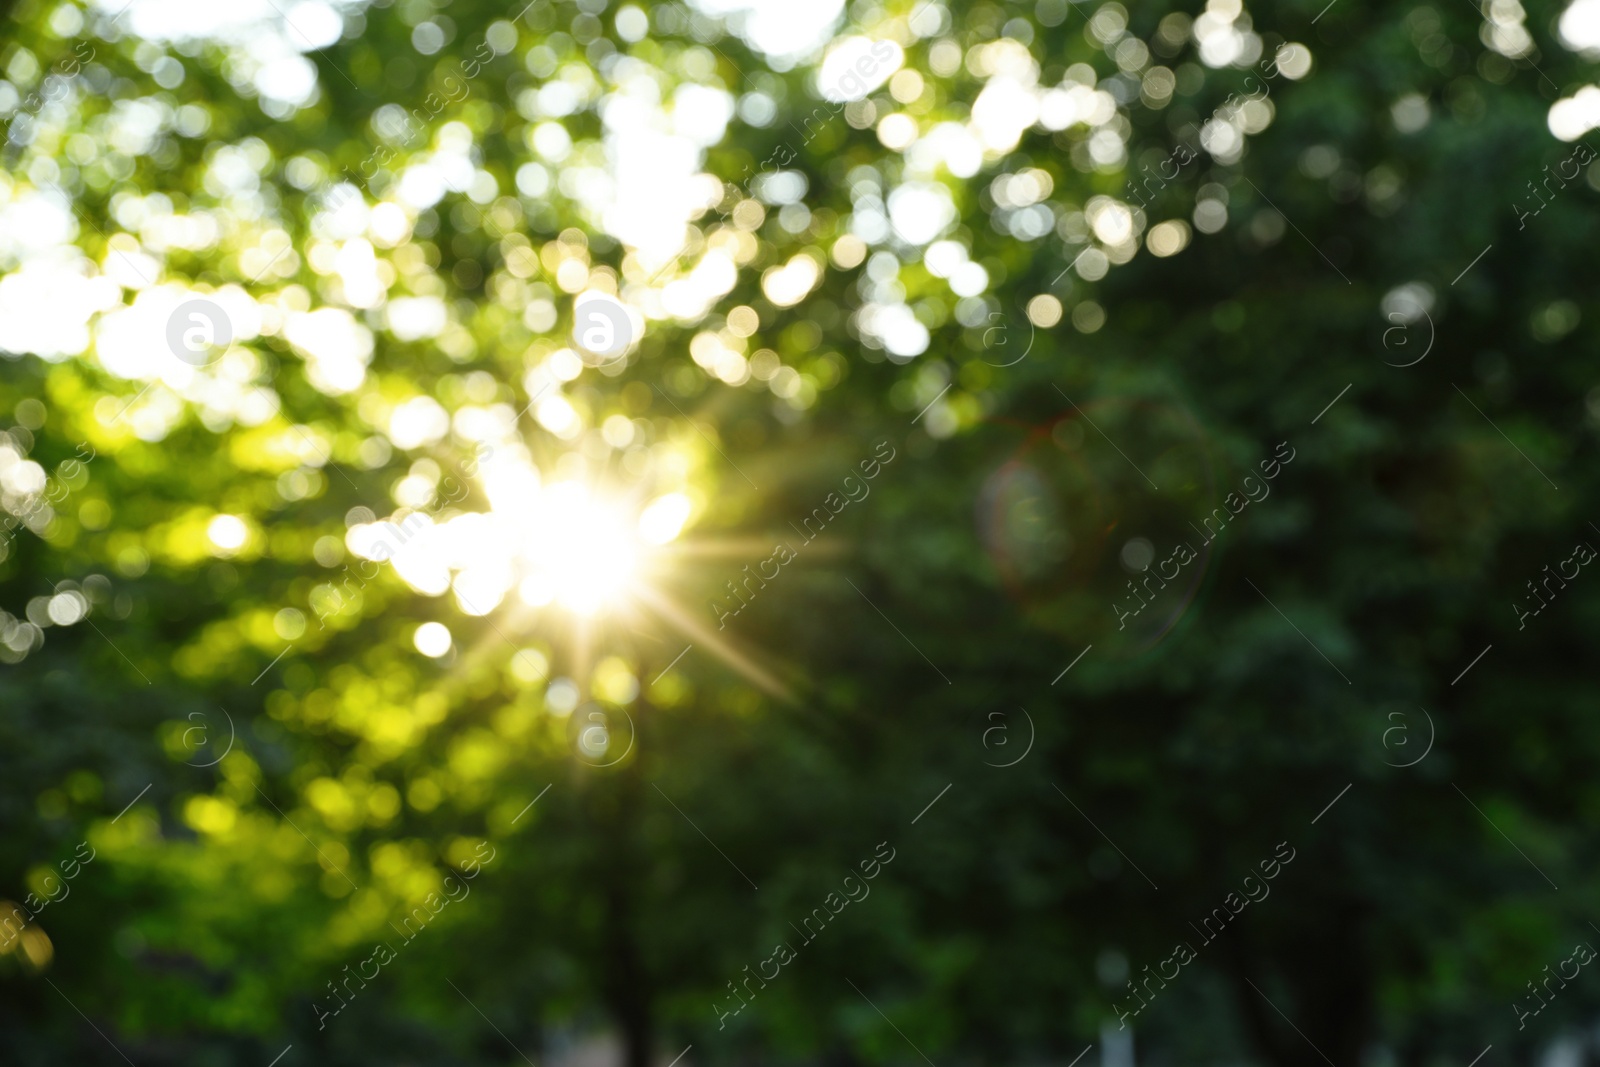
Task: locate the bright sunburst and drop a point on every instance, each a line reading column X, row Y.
column 588, row 563
column 580, row 551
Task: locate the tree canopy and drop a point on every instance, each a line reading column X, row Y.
column 766, row 531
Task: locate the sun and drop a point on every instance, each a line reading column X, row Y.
column 590, row 562
column 569, row 545
column 586, row 552
column 579, row 551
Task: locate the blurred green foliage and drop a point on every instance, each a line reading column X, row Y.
column 989, row 555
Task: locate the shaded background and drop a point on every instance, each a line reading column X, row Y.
column 270, row 774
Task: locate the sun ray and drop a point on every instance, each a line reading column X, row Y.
column 583, row 566
column 702, row 634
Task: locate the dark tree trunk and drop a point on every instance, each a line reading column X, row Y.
column 627, row 991
column 1321, row 1008
column 1339, row 1004
column 627, row 985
